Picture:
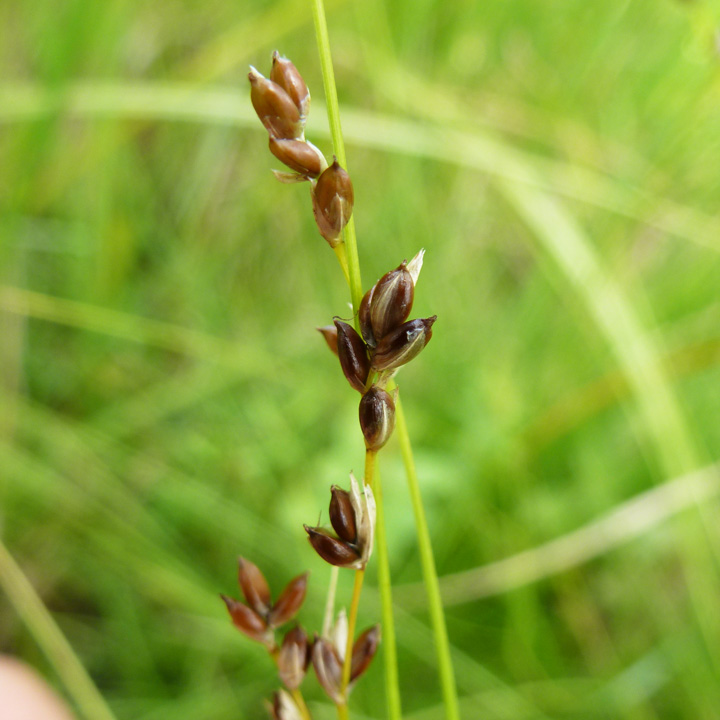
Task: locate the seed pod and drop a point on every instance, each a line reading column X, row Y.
column 254, row 586
column 342, row 514
column 328, row 668
column 283, row 707
column 391, row 301
column 330, row 333
column 377, row 417
column 331, row 549
column 289, row 602
column 353, row 355
column 302, row 157
column 364, row 317
column 401, row 345
column 286, row 75
column 293, row 658
column 274, row 107
column 332, row 199
column 247, row 621
column 364, row 651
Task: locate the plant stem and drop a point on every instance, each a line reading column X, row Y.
column 300, row 702
column 352, row 622
column 330, row 602
column 323, row 42
column 51, row 640
column 432, row 587
column 389, row 645
column 447, row 678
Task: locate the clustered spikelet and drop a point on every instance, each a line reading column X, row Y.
column 352, row 516
column 369, row 358
column 282, row 103
column 259, row 618
column 328, row 656
column 387, row 341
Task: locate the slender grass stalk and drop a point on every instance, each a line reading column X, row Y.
column 432, row 586
column 330, row 602
column 323, row 42
column 352, row 623
column 392, row 681
column 447, row 678
column 51, row 640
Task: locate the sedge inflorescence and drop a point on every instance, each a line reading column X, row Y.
column 369, row 356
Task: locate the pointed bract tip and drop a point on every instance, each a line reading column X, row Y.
column 415, row 265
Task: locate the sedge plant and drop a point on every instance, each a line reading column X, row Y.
column 371, row 347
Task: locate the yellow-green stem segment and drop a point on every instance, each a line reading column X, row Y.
column 323, row 42
column 432, row 587
column 389, row 645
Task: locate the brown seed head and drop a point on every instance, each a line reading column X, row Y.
column 274, row 107
column 289, row 602
column 286, row 75
column 302, row 157
column 248, row 621
column 254, row 586
column 377, row 417
column 401, row 345
column 364, row 317
column 330, row 333
column 342, row 514
column 293, row 658
column 391, row 301
column 333, row 200
column 364, row 651
column 328, row 668
column 353, row 355
column 331, row 549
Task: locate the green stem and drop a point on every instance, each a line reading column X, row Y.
column 352, row 622
column 323, row 42
column 432, row 587
column 389, row 645
column 51, row 640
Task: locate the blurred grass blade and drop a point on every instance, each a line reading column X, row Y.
column 477, row 149
column 622, row 524
column 51, row 640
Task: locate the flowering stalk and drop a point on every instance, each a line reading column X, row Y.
column 447, row 677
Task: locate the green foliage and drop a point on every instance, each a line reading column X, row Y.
column 167, row 404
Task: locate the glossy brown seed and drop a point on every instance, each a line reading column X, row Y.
column 331, row 549
column 333, row 200
column 286, row 75
column 342, row 514
column 364, row 317
column 328, row 668
column 401, row 345
column 392, row 301
column 254, row 586
column 274, row 107
column 377, row 417
column 364, row 651
column 300, row 156
column 289, row 602
column 293, row 658
column 247, row 620
column 353, row 355
column 330, row 333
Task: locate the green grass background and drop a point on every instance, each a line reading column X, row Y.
column 167, row 404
